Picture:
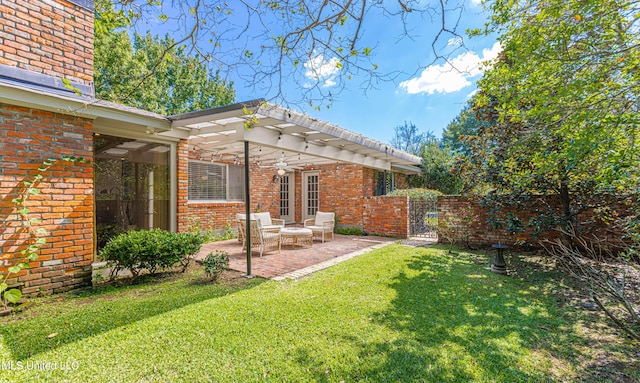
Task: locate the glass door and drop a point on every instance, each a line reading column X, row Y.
column 132, row 186
column 287, row 205
column 311, row 194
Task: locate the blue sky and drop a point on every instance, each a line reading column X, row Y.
column 429, row 94
column 430, row 98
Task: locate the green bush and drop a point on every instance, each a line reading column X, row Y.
column 105, row 232
column 215, row 264
column 349, row 231
column 150, row 250
column 417, row 193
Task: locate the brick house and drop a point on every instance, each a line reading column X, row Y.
column 149, row 170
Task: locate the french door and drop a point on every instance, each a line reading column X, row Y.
column 310, row 194
column 287, row 204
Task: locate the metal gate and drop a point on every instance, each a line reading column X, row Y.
column 423, row 218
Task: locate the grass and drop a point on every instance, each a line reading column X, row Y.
column 395, row 314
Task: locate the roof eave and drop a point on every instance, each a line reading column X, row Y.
column 87, row 107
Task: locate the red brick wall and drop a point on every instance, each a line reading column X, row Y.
column 65, row 205
column 481, row 232
column 265, row 196
column 341, row 191
column 183, row 185
column 387, row 215
column 53, row 37
column 343, row 188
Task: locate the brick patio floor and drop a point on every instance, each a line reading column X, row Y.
column 296, row 262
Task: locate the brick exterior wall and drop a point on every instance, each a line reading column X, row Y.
column 344, row 189
column 387, row 215
column 182, row 198
column 265, row 196
column 50, row 37
column 482, row 234
column 65, row 204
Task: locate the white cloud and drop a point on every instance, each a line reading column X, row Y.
column 451, row 76
column 470, row 95
column 476, row 2
column 321, row 70
column 454, row 42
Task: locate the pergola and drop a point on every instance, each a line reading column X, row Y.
column 267, row 134
column 220, row 133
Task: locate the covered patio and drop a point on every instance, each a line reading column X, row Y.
column 256, row 156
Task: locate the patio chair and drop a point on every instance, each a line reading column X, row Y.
column 261, row 238
column 241, row 232
column 321, row 224
column 267, row 222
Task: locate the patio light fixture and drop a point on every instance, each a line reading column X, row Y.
column 280, row 165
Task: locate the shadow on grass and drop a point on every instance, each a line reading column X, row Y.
column 455, row 321
column 464, row 324
column 103, row 309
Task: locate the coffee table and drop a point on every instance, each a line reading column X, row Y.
column 296, row 236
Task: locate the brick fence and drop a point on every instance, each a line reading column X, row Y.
column 481, row 233
column 387, row 215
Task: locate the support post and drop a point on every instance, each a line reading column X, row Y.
column 247, row 205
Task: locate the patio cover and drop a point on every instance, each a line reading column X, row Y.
column 261, row 132
column 273, row 131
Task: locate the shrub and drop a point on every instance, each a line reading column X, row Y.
column 215, row 264
column 349, row 231
column 150, row 250
column 417, row 193
column 105, row 232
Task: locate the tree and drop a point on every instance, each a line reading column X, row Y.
column 462, row 129
column 316, row 45
column 407, row 138
column 436, row 161
column 561, row 103
column 174, row 81
column 437, row 167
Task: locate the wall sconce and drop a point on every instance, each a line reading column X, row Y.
column 275, row 179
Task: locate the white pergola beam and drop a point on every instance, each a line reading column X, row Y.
column 268, row 137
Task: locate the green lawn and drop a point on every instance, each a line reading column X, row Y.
column 395, row 314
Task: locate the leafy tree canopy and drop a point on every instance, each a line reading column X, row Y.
column 561, row 102
column 407, row 138
column 173, row 80
column 436, row 161
column 463, row 129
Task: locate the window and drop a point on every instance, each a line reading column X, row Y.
column 215, row 182
column 384, row 182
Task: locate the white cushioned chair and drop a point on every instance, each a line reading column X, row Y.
column 267, row 222
column 241, row 232
column 261, row 238
column 321, row 224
